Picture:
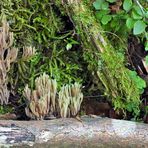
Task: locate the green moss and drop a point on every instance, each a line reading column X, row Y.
column 33, row 22
column 37, row 24
column 106, row 61
column 5, row 109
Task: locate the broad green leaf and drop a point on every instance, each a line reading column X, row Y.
column 139, row 27
column 130, row 23
column 138, row 10
column 105, row 19
column 97, row 4
column 127, row 4
column 114, row 22
column 101, row 5
column 136, row 16
column 105, row 6
column 139, row 82
column 111, row 1
column 100, row 14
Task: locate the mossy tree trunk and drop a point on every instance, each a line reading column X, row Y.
column 104, row 61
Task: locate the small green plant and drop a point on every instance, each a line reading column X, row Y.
column 70, row 43
column 121, row 18
column 5, row 109
column 114, row 18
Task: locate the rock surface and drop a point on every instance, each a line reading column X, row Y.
column 91, row 132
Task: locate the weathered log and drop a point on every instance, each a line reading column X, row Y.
column 10, row 134
column 91, row 132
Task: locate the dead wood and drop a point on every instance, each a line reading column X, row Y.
column 91, row 132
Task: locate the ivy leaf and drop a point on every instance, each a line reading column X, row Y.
column 127, row 4
column 130, row 23
column 105, row 19
column 139, row 27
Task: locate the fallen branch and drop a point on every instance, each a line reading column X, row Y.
column 91, row 132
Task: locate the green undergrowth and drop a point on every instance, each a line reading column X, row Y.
column 6, row 109
column 37, row 24
column 120, row 85
column 120, row 19
column 58, row 50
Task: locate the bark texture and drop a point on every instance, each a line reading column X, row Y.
column 91, row 132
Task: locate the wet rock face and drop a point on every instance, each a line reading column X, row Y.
column 91, row 132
